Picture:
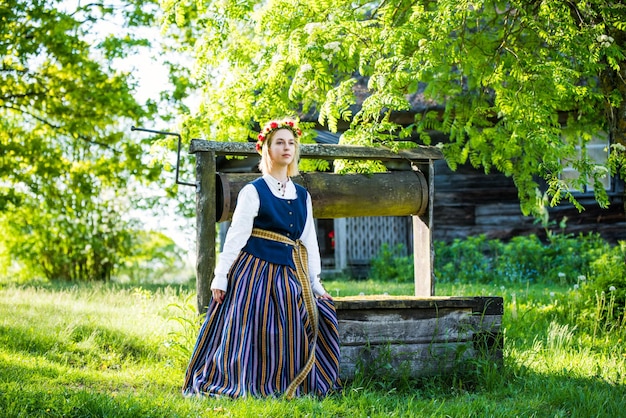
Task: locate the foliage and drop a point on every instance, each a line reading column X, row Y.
column 606, row 286
column 155, row 258
column 69, row 171
column 463, row 261
column 392, row 264
column 561, row 259
column 516, row 86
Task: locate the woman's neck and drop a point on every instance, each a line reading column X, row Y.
column 279, row 174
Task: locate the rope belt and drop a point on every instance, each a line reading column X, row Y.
column 301, row 260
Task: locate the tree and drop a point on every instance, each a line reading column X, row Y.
column 69, row 170
column 517, row 86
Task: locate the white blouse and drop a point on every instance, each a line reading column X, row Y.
column 241, row 228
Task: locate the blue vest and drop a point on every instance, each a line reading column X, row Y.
column 284, row 216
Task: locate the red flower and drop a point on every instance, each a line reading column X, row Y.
column 273, row 126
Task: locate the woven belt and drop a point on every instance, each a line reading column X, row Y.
column 301, row 260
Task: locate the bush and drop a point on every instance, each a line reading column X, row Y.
column 560, row 260
column 468, row 260
column 604, row 290
column 392, row 264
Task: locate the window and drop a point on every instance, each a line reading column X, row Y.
column 598, row 151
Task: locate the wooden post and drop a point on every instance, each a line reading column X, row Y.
column 341, row 250
column 421, row 260
column 431, row 211
column 205, row 226
column 423, row 253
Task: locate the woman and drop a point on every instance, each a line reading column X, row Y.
column 271, row 328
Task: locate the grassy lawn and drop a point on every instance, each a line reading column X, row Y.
column 94, row 350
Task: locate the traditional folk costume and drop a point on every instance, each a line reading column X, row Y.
column 271, row 336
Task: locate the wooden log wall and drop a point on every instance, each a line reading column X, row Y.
column 469, row 202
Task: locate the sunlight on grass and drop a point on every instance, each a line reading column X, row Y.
column 94, row 350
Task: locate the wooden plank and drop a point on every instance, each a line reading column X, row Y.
column 323, row 151
column 392, row 329
column 417, row 360
column 488, row 305
column 422, row 262
column 205, row 227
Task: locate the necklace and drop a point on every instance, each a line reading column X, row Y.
column 282, row 186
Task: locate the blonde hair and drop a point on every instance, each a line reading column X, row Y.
column 265, row 165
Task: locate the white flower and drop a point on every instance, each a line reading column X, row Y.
column 561, row 275
column 582, row 278
column 333, row 46
column 551, row 294
column 310, row 27
column 576, row 287
column 306, row 68
column 612, row 289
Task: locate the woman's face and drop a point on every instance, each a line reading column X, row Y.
column 282, row 147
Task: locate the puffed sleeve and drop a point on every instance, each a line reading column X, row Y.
column 238, row 234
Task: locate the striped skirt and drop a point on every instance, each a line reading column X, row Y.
column 259, row 339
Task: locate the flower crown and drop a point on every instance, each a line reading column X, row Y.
column 275, row 125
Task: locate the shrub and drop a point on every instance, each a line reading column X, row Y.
column 561, row 259
column 520, row 260
column 604, row 292
column 467, row 260
column 392, row 264
column 567, row 256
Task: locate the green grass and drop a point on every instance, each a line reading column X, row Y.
column 120, row 351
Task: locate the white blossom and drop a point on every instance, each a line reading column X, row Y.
column 612, row 289
column 333, row 46
column 311, row 27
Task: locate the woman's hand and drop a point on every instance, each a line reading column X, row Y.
column 326, row 296
column 218, row 295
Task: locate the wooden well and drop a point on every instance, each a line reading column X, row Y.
column 424, row 333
